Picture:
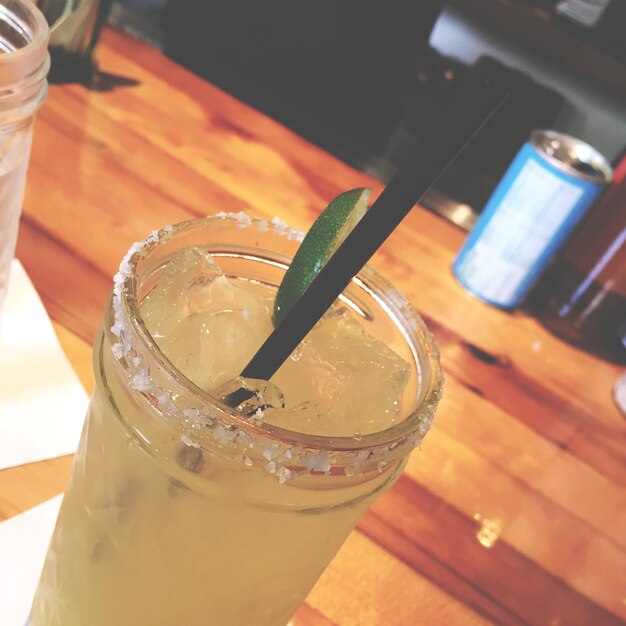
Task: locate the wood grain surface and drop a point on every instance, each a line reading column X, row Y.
column 514, row 511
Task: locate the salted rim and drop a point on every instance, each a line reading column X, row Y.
column 316, row 451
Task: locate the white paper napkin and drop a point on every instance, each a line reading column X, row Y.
column 42, row 402
column 24, row 541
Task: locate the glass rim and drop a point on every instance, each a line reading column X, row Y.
column 31, row 61
column 410, row 430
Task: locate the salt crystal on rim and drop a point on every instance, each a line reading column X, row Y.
column 360, row 458
column 118, row 350
column 141, row 380
column 284, row 474
column 224, row 436
column 270, row 451
column 219, row 434
column 240, row 217
column 193, row 418
column 317, row 462
column 189, row 442
column 244, row 438
column 166, row 402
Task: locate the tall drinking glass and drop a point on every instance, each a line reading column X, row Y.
column 24, row 65
column 180, row 510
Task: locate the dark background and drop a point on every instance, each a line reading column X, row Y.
column 365, row 79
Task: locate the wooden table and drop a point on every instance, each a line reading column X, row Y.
column 514, row 511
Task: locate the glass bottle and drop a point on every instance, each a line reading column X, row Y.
column 582, row 297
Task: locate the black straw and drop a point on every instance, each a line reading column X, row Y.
column 406, row 188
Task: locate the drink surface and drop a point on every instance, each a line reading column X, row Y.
column 340, row 381
column 154, row 532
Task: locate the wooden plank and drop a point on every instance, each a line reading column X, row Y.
column 438, row 541
column 79, row 353
column 495, row 437
column 504, row 509
column 26, row 486
column 366, row 586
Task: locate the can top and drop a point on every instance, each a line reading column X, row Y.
column 572, row 155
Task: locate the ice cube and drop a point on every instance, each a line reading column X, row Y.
column 340, row 381
column 175, row 294
column 208, row 325
column 344, row 381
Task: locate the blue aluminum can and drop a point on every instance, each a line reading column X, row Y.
column 548, row 188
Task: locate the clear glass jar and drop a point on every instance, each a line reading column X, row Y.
column 180, row 510
column 24, row 65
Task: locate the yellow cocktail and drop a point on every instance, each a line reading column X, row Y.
column 181, row 510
